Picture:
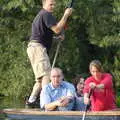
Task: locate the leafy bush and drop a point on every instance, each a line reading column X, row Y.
column 93, row 33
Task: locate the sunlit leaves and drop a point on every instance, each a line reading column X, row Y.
column 22, row 4
column 93, row 33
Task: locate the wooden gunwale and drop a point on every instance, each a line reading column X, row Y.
column 59, row 113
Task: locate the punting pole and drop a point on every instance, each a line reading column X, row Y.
column 87, row 106
column 56, row 54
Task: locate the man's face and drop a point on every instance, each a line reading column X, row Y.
column 56, row 78
column 49, row 5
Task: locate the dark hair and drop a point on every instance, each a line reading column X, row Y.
column 78, row 79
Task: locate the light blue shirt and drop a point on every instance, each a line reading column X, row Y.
column 50, row 94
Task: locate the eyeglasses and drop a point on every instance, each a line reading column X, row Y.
column 56, row 76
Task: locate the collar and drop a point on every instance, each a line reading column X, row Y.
column 62, row 85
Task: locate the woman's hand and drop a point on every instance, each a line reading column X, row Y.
column 92, row 85
column 86, row 100
column 100, row 86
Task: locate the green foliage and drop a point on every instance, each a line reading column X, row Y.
column 118, row 101
column 118, row 97
column 93, row 33
column 16, row 74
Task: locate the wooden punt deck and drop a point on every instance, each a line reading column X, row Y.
column 36, row 114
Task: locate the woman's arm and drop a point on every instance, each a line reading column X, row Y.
column 86, row 98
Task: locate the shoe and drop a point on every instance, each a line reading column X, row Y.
column 35, row 104
column 30, row 105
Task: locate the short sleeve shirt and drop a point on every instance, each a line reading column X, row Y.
column 41, row 28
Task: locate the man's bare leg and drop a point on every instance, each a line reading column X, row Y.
column 40, row 83
column 45, row 80
column 36, row 90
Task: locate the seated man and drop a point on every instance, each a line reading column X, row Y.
column 58, row 94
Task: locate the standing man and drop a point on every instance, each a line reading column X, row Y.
column 43, row 27
column 58, row 94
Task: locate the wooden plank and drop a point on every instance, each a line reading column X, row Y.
column 59, row 113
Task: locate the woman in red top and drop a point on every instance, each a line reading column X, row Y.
column 102, row 97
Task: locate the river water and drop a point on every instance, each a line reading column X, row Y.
column 10, row 103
